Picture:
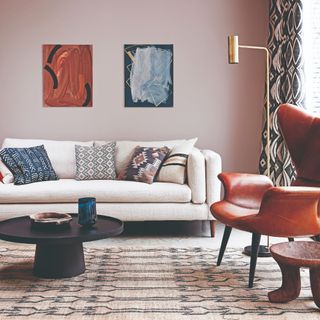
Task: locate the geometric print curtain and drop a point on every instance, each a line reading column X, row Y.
column 286, row 83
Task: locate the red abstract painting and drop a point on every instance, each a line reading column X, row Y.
column 67, row 75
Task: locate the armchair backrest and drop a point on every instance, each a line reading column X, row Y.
column 301, row 132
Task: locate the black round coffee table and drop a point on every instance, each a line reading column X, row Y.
column 59, row 252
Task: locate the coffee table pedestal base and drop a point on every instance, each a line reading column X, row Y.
column 59, row 261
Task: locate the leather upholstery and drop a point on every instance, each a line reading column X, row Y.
column 229, row 214
column 286, row 212
column 305, row 183
column 301, row 132
column 245, row 190
column 252, row 204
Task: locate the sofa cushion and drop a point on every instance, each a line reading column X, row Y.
column 70, row 190
column 96, row 162
column 28, row 165
column 174, row 167
column 125, row 150
column 61, row 153
column 144, row 164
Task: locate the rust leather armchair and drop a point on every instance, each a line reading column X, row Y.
column 252, row 204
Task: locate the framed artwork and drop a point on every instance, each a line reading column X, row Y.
column 67, row 75
column 148, row 75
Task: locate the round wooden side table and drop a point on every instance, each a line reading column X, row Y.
column 291, row 256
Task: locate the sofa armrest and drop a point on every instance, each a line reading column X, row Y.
column 197, row 176
column 213, row 168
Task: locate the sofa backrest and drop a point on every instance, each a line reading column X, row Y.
column 62, row 153
column 125, row 149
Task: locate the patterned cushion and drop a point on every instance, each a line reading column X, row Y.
column 28, row 164
column 144, row 164
column 96, row 163
column 174, row 168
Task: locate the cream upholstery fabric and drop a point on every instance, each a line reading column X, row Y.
column 123, row 211
column 213, row 168
column 61, row 153
column 70, row 190
column 197, row 176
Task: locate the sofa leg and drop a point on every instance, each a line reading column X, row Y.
column 224, row 242
column 212, row 228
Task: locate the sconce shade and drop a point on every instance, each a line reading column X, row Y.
column 233, row 49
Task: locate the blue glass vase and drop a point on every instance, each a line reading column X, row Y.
column 87, row 211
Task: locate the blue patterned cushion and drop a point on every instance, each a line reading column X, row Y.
column 28, row 164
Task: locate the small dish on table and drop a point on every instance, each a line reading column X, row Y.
column 50, row 219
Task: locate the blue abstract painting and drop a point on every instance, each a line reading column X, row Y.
column 148, row 75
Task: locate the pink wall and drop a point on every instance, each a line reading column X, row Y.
column 219, row 103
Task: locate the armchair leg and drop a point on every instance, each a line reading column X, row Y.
column 254, row 254
column 224, row 242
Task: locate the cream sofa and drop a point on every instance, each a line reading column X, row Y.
column 126, row 200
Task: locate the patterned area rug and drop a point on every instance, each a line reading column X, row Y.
column 133, row 283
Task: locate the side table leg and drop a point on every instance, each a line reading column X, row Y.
column 315, row 285
column 291, row 284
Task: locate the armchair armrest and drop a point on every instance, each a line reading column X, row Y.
column 288, row 212
column 290, row 201
column 243, row 189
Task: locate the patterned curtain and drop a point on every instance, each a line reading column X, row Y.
column 286, row 82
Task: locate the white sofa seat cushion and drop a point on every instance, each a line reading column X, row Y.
column 70, row 190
